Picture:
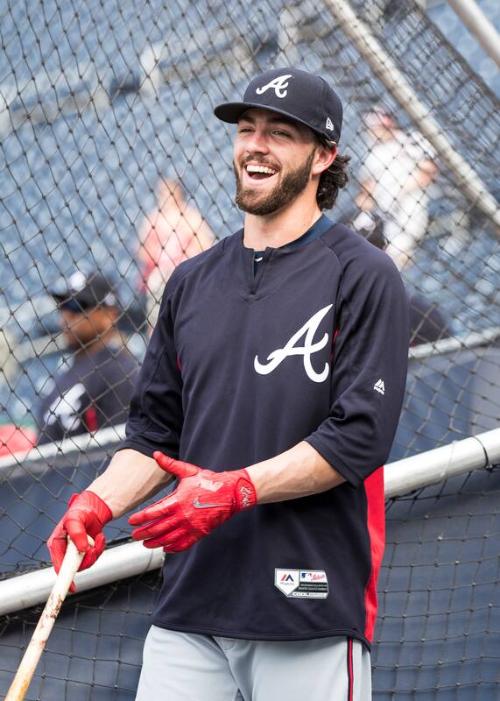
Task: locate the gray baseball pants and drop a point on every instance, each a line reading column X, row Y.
column 190, row 667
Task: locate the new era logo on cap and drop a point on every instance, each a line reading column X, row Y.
column 294, row 93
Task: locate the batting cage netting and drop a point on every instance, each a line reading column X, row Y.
column 114, row 170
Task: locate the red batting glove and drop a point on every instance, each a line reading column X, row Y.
column 202, row 501
column 87, row 514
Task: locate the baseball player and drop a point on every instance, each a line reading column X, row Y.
column 93, row 386
column 270, row 392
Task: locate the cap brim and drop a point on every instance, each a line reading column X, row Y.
column 230, row 112
column 60, row 296
column 67, row 300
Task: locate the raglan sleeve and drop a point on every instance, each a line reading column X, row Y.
column 116, row 384
column 155, row 417
column 368, row 375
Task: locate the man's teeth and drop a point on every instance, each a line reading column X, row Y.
column 260, row 169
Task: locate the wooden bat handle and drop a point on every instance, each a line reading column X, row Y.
column 26, row 669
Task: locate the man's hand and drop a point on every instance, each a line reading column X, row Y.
column 202, row 501
column 86, row 516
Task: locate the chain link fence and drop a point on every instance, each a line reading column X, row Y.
column 114, row 165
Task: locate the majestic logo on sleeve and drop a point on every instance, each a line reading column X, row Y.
column 310, row 347
column 279, row 85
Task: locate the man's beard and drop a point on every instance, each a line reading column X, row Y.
column 283, row 193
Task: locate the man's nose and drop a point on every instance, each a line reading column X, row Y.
column 258, row 142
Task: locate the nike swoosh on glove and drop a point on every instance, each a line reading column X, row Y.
column 202, row 501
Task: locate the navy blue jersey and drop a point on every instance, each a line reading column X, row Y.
column 242, row 367
column 92, row 393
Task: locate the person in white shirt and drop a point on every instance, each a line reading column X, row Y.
column 395, row 179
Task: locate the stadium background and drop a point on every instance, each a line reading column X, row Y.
column 98, row 100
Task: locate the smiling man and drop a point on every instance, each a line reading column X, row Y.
column 271, row 392
column 280, row 184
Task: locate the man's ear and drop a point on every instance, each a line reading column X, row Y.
column 325, row 155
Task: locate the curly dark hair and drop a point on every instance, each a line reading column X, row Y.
column 332, row 180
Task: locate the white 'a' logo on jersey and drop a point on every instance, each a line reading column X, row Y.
column 279, row 85
column 277, row 356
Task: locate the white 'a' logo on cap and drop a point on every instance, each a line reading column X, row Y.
column 329, row 124
column 279, row 85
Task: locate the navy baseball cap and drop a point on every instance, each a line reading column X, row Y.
column 296, row 94
column 85, row 291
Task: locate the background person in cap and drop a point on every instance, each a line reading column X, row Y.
column 271, row 390
column 92, row 390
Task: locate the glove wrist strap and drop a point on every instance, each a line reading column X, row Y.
column 89, row 500
column 244, row 491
